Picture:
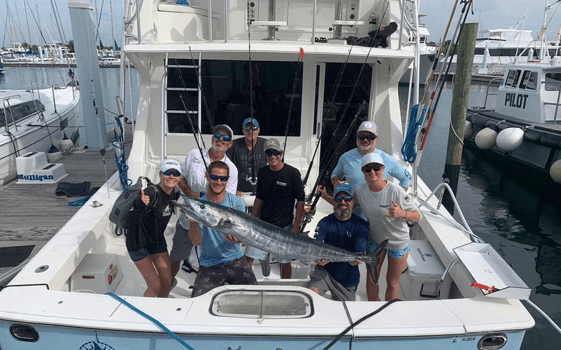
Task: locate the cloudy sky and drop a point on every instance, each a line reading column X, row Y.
column 490, row 14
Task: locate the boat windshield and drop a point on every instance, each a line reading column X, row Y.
column 14, row 113
column 226, row 89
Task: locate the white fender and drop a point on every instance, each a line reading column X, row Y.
column 555, row 171
column 486, row 138
column 510, row 139
column 468, row 130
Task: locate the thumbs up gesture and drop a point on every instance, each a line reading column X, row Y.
column 144, row 198
column 395, row 211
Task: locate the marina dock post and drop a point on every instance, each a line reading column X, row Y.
column 458, row 111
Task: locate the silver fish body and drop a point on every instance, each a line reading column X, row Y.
column 252, row 231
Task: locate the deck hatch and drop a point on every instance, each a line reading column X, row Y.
column 262, row 304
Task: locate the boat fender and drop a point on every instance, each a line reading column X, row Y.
column 468, row 130
column 65, row 146
column 510, row 139
column 555, row 171
column 486, row 138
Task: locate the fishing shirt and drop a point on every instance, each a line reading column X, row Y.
column 375, row 206
column 247, row 161
column 194, row 170
column 215, row 249
column 279, row 190
column 351, row 235
column 147, row 226
column 349, row 167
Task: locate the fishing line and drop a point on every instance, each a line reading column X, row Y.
column 296, row 75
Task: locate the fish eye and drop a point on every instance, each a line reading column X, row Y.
column 202, row 206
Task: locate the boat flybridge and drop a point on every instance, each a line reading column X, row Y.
column 199, row 69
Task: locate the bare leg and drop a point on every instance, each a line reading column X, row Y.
column 175, row 265
column 395, row 269
column 373, row 289
column 286, row 271
column 148, row 271
column 163, row 267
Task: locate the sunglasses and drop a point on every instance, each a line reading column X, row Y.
column 224, row 137
column 250, row 128
column 221, row 178
column 369, row 168
column 272, row 153
column 175, row 173
column 369, row 137
column 346, row 198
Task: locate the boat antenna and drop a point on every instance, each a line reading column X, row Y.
column 296, row 75
column 331, row 164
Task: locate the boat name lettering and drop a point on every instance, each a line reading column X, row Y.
column 35, row 177
column 516, row 100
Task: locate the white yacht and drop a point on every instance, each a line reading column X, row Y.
column 457, row 292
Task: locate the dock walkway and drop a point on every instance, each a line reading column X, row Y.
column 31, row 214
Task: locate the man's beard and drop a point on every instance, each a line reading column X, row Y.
column 217, row 149
column 342, row 213
column 365, row 149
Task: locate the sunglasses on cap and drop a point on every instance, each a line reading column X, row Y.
column 346, row 198
column 369, row 168
column 272, row 153
column 221, row 178
column 224, row 137
column 369, row 137
column 175, row 173
column 250, row 128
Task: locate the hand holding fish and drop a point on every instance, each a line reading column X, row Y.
column 395, row 211
column 232, row 239
column 322, row 262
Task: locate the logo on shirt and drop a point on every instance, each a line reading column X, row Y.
column 167, row 211
column 281, row 183
column 349, row 234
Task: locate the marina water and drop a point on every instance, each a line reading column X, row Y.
column 516, row 216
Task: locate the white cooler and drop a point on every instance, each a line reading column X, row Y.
column 424, row 270
column 99, row 273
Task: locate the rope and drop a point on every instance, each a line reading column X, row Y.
column 120, row 160
column 408, row 150
column 150, row 318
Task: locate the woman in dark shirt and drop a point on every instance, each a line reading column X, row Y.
column 147, row 221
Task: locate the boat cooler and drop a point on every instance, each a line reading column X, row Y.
column 99, row 273
column 424, row 270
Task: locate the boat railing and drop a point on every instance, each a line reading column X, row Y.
column 487, row 93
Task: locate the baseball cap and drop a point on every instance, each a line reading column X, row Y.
column 272, row 144
column 371, row 158
column 342, row 188
column 223, row 126
column 250, row 121
column 368, row 126
column 170, row 164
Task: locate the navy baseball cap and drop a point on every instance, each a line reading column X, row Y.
column 250, row 121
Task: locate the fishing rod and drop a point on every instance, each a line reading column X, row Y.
column 194, row 131
column 253, row 180
column 199, row 80
column 296, row 74
column 329, row 111
column 308, row 216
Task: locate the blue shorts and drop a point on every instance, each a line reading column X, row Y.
column 252, row 252
column 142, row 253
column 396, row 254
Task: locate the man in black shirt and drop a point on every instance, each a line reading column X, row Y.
column 279, row 186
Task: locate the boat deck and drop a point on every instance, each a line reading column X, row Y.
column 31, row 214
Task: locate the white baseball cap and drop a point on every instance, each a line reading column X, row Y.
column 368, row 126
column 372, row 157
column 170, row 164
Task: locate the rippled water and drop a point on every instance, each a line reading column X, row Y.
column 520, row 220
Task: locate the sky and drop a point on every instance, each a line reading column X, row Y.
column 490, row 14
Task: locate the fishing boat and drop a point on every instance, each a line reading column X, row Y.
column 457, row 292
column 35, row 121
column 427, row 55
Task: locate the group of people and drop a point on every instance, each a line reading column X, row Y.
column 367, row 209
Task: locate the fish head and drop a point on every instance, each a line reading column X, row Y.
column 199, row 211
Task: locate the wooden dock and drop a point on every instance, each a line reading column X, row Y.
column 31, row 214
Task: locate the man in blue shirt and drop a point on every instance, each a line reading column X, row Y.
column 221, row 258
column 345, row 230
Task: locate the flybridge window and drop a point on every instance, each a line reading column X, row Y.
column 512, row 78
column 529, row 80
column 226, row 88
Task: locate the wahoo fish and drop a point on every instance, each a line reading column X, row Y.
column 259, row 234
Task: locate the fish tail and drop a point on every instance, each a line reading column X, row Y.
column 372, row 260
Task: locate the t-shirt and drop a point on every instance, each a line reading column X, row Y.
column 247, row 161
column 194, row 170
column 153, row 221
column 375, row 206
column 279, row 190
column 351, row 235
column 349, row 167
column 215, row 249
